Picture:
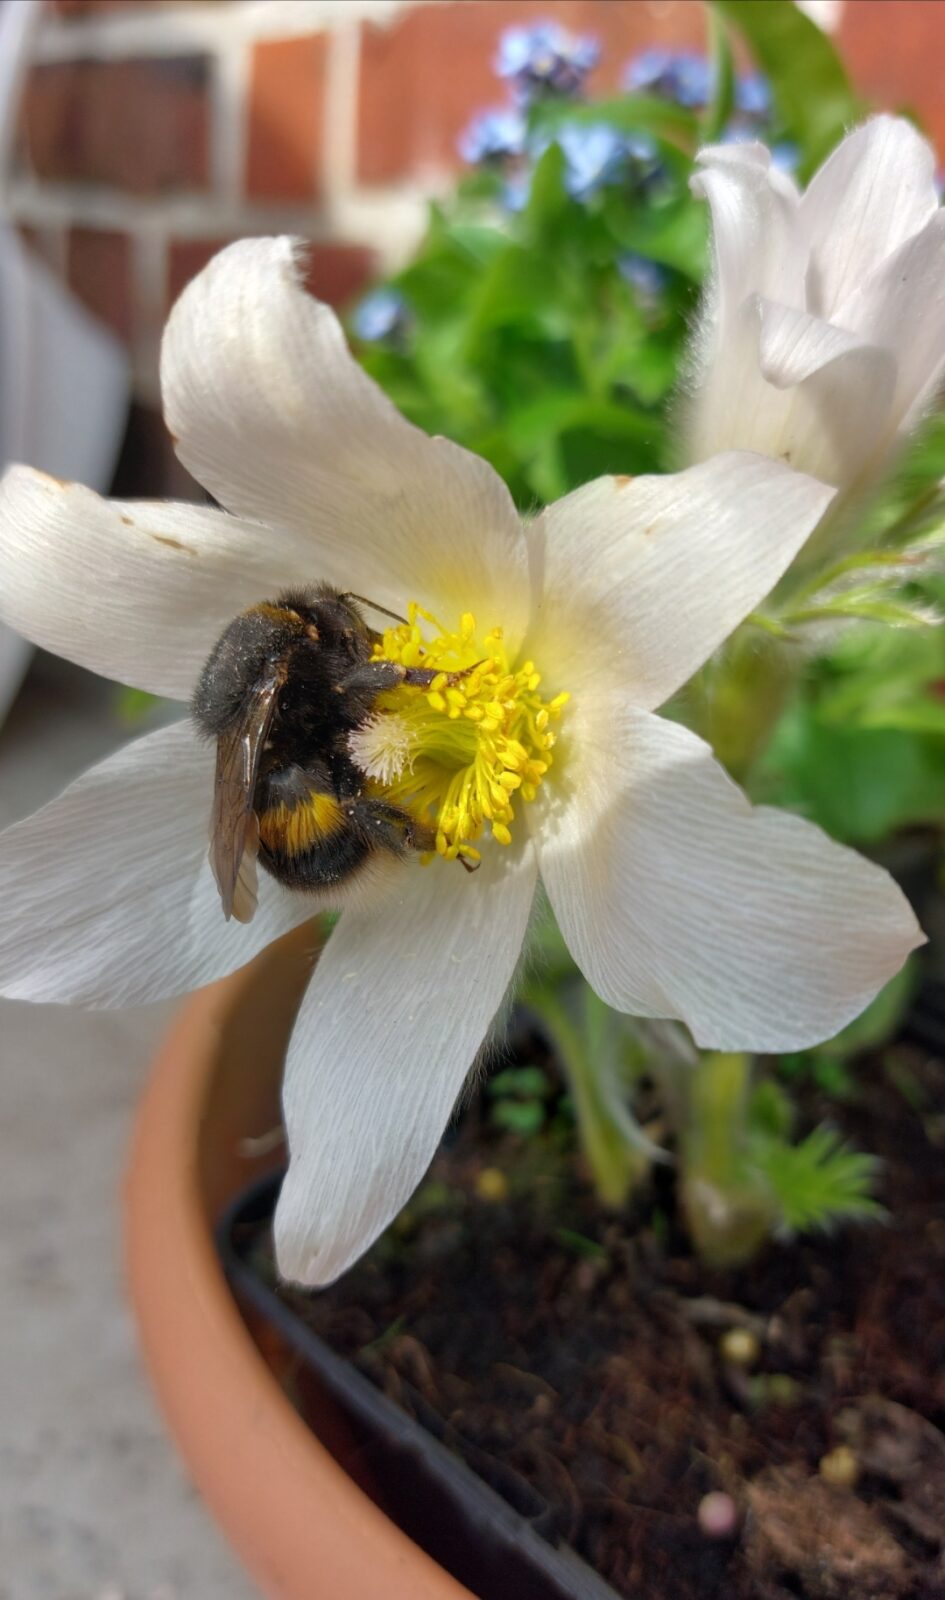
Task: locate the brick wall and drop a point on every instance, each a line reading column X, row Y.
column 150, row 133
column 153, row 131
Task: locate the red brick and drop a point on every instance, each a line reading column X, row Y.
column 147, row 467
column 43, row 242
column 185, row 258
column 139, row 125
column 98, row 266
column 286, row 106
column 894, row 51
column 430, row 70
column 336, row 271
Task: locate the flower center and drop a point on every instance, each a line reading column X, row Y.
column 459, row 752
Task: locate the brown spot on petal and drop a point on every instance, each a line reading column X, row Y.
column 621, row 479
column 172, row 544
column 128, row 522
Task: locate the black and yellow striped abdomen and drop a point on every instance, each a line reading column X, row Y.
column 303, row 825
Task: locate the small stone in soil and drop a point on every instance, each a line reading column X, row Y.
column 740, row 1346
column 840, row 1467
column 717, row 1515
column 492, row 1184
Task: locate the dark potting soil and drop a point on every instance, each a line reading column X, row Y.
column 587, row 1354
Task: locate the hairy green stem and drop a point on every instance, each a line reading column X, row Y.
column 610, row 1139
column 728, row 1206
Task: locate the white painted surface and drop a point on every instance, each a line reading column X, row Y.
column 93, row 1502
column 826, row 13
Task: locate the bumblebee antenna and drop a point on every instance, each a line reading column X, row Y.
column 375, row 607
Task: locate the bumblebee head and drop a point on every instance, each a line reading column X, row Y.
column 328, row 618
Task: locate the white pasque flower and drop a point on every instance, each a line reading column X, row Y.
column 676, row 897
column 822, row 338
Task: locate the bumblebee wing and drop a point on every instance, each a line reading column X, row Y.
column 245, row 892
column 234, row 831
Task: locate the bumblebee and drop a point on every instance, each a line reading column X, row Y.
column 285, row 686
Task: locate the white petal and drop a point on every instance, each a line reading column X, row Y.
column 394, row 1017
column 754, row 209
column 135, row 590
column 678, row 899
column 640, row 579
column 902, row 308
column 797, row 389
column 106, row 893
column 794, row 345
column 826, row 401
column 873, row 193
column 272, row 414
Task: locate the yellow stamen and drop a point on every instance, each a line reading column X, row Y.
column 457, row 751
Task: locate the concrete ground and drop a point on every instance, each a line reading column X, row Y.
column 93, row 1502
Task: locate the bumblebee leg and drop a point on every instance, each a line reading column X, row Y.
column 390, row 827
column 375, row 676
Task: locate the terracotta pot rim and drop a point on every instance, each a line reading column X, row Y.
column 301, row 1526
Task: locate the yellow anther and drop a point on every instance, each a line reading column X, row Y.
column 455, row 752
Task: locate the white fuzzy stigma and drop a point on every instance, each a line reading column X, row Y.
column 381, row 747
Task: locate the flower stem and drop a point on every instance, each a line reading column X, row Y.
column 728, row 1206
column 743, row 693
column 614, row 1146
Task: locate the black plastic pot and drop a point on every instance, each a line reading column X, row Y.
column 499, row 1544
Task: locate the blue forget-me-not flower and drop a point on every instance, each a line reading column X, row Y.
column 545, row 58
column 382, row 314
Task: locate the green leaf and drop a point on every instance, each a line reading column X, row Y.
column 634, row 433
column 135, row 705
column 580, row 1244
column 770, row 1110
column 820, row 1181
column 529, row 1081
column 548, row 201
column 674, row 235
column 808, row 82
column 721, row 106
column 568, row 439
column 519, row 1116
column 517, row 287
column 860, row 784
column 628, row 113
